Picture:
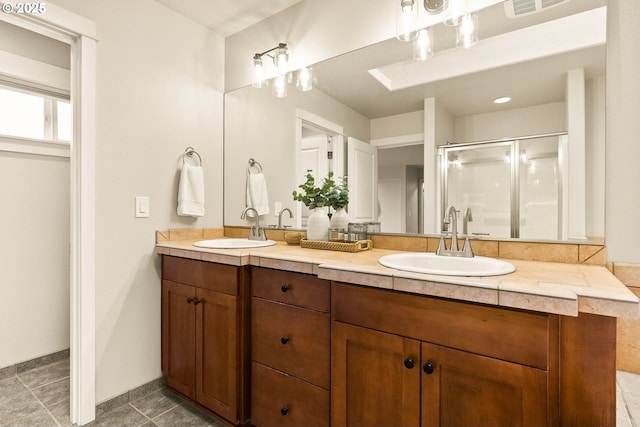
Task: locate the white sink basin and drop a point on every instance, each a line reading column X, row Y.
column 232, row 243
column 430, row 263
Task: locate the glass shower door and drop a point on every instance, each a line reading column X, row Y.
column 513, row 188
column 479, row 177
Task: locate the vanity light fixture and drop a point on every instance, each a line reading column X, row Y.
column 280, row 56
column 455, row 14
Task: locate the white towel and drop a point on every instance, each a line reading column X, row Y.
column 191, row 191
column 257, row 197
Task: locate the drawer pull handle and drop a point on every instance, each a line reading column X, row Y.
column 284, row 340
column 190, row 300
column 284, row 410
column 408, row 363
column 197, row 301
column 284, row 288
column 428, row 368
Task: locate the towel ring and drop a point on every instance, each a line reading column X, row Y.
column 190, row 152
column 254, row 164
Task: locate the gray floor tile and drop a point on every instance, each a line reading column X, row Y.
column 184, row 416
column 156, row 403
column 60, row 412
column 28, row 416
column 19, row 408
column 629, row 384
column 124, row 416
column 46, row 374
column 12, row 388
column 53, row 393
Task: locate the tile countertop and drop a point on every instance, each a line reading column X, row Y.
column 548, row 287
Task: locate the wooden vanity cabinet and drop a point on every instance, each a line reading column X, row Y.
column 401, row 359
column 203, row 318
column 290, row 329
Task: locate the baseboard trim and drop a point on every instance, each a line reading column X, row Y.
column 37, row 362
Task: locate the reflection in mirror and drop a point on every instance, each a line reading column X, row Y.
column 380, row 96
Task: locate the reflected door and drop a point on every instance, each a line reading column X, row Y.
column 362, row 167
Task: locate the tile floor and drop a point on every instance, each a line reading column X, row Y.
column 40, row 398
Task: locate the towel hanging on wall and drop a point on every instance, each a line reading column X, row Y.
column 256, row 194
column 191, row 186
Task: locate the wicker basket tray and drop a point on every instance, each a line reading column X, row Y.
column 360, row 245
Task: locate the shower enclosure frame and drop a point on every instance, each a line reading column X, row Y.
column 513, row 145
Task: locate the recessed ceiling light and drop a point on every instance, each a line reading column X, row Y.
column 502, row 100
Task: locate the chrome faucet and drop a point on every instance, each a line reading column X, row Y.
column 466, row 219
column 280, row 216
column 256, row 232
column 451, row 218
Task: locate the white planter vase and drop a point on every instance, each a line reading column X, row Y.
column 318, row 225
column 340, row 219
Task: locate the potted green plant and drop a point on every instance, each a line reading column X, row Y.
column 315, row 198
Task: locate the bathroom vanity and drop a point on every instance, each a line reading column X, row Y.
column 292, row 336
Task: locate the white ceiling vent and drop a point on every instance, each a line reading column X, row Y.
column 517, row 8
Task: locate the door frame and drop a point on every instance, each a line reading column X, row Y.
column 80, row 34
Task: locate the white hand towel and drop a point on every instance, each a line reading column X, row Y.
column 257, row 196
column 191, row 191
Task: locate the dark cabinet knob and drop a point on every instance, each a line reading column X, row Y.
column 408, row 363
column 284, row 410
column 428, row 368
column 284, row 288
column 197, row 301
column 284, row 340
column 190, row 300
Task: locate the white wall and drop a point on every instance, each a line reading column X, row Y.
column 398, row 125
column 539, row 119
column 622, row 152
column 159, row 90
column 34, row 225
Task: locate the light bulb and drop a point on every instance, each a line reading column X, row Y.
column 280, row 86
column 406, row 20
column 423, row 45
column 467, row 34
column 258, row 72
column 281, row 58
column 304, row 80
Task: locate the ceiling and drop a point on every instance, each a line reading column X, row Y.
column 227, row 17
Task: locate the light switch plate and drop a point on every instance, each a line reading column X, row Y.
column 142, row 207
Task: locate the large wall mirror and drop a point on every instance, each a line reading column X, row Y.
column 438, row 134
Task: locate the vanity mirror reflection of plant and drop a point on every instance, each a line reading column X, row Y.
column 329, row 193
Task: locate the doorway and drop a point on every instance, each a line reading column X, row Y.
column 80, row 34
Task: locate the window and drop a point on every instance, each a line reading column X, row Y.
column 33, row 115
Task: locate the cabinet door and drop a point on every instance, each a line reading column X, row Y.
column 216, row 360
column 375, row 378
column 466, row 389
column 178, row 337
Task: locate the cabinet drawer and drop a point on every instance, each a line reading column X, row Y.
column 516, row 336
column 280, row 400
column 215, row 277
column 299, row 289
column 293, row 340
